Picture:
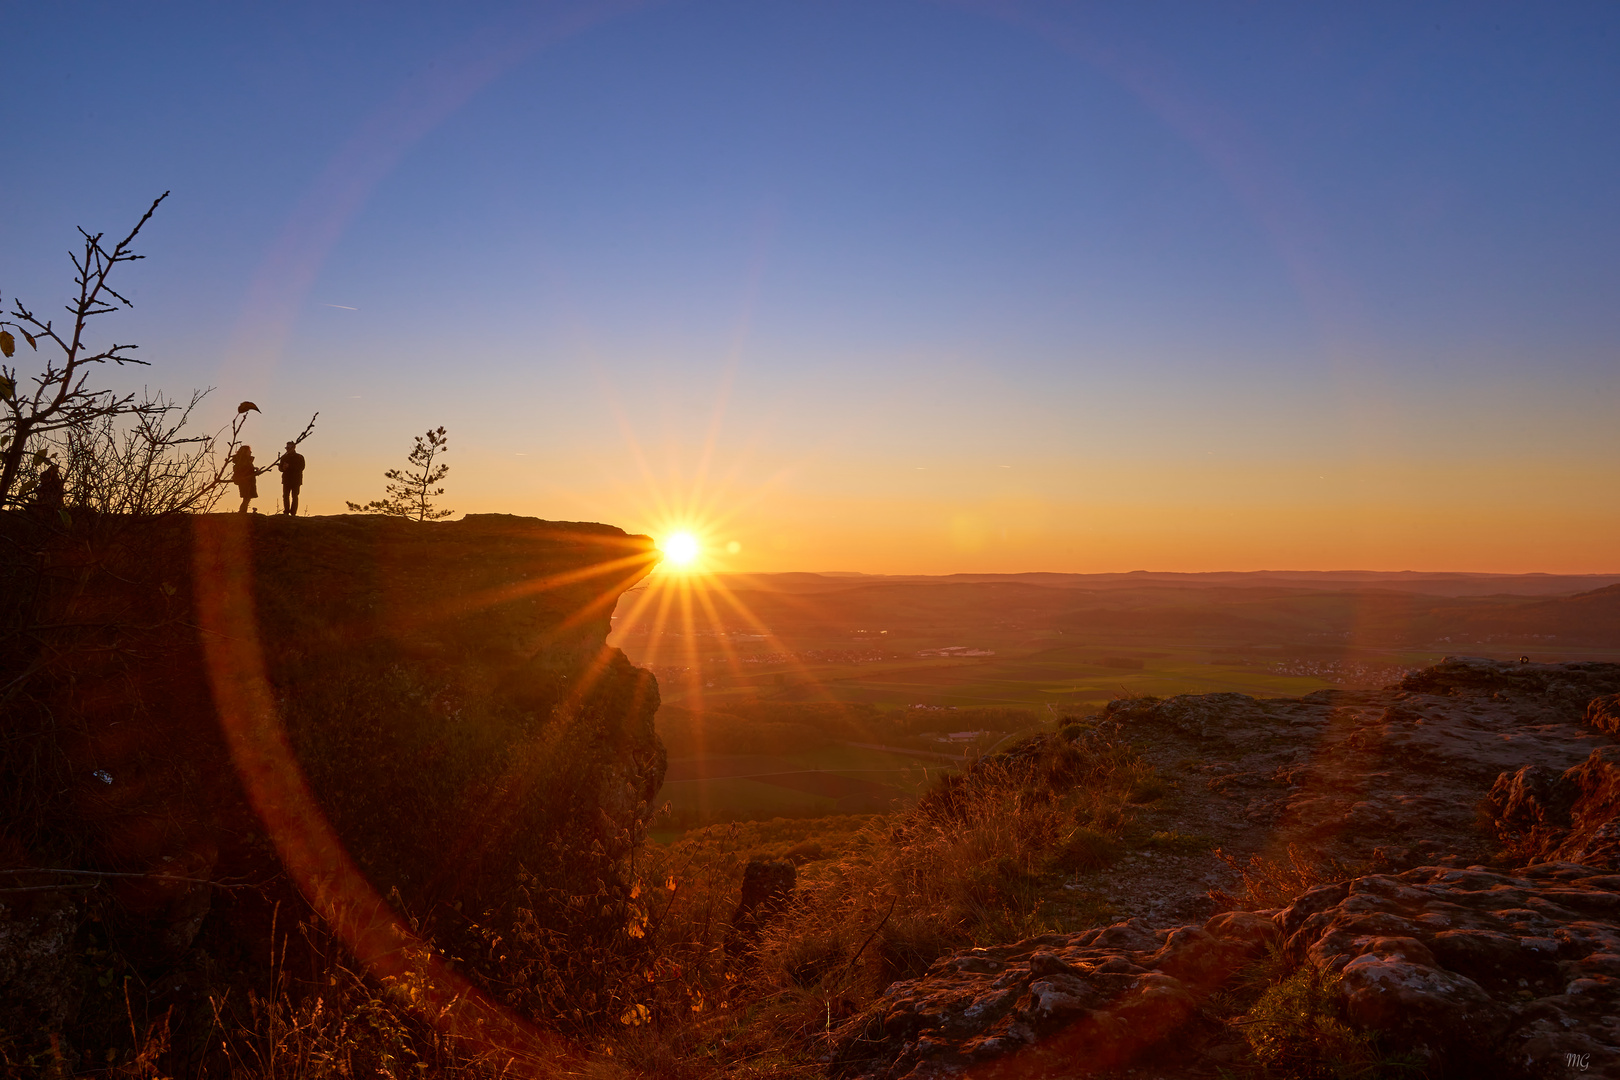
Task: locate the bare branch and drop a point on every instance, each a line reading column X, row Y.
column 309, row 429
column 62, row 400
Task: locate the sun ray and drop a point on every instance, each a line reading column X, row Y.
column 602, row 603
column 658, row 617
column 644, row 562
column 797, row 665
column 720, row 637
column 689, row 628
column 678, row 622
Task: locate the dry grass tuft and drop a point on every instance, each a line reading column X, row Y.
column 1276, row 881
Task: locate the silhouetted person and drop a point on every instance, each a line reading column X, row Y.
column 291, row 464
column 243, row 476
column 51, row 490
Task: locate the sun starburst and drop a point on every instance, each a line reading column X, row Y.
column 681, row 549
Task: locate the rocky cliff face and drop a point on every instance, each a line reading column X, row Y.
column 217, row 699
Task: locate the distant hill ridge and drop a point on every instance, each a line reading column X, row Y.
column 1527, row 613
column 1435, row 583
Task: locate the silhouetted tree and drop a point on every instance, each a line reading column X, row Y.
column 411, row 491
column 62, row 400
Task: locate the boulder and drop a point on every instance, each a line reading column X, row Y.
column 1048, row 1004
column 1467, row 971
column 1568, row 816
column 1603, row 713
column 1532, row 796
column 767, row 887
column 1504, row 973
column 1594, row 837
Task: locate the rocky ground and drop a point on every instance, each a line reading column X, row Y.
column 1392, row 778
column 1427, row 794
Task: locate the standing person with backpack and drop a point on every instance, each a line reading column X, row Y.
column 291, row 464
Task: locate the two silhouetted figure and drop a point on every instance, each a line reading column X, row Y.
column 246, row 477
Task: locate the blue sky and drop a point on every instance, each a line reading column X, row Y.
column 885, row 267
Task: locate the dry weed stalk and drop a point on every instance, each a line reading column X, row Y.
column 1276, row 881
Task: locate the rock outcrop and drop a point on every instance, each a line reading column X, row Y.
column 1569, row 816
column 1510, row 975
column 1056, row 1005
column 1393, row 776
column 1603, row 713
column 1478, row 971
column 1508, row 972
column 767, row 888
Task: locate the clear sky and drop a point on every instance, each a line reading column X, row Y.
column 888, row 286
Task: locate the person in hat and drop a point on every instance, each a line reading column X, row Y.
column 291, row 464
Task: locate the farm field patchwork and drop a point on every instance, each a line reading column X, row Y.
column 1067, row 679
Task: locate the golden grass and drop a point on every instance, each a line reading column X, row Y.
column 1273, row 881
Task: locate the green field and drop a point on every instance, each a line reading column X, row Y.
column 1062, row 678
column 1066, row 678
column 833, row 779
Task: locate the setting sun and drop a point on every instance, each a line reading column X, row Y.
column 680, row 549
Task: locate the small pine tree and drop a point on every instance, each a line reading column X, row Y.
column 411, row 491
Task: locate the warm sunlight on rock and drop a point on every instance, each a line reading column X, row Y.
column 680, row 549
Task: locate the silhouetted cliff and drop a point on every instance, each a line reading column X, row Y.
column 224, row 699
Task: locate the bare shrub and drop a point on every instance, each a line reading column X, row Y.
column 141, row 462
column 62, row 399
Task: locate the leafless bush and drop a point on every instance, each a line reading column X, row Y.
column 62, row 400
column 140, row 463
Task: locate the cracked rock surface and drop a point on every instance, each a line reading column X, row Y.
column 1511, row 973
column 1506, row 972
column 1394, row 776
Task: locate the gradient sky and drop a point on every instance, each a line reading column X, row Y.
column 881, row 286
